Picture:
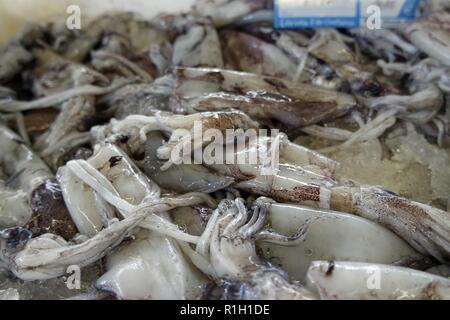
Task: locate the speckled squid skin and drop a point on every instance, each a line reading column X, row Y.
column 267, row 99
column 30, row 174
column 335, row 53
column 424, row 227
column 243, row 52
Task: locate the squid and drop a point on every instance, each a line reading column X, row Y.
column 427, row 97
column 48, row 256
column 306, row 177
column 30, row 195
column 224, row 12
column 181, row 178
column 131, row 132
column 135, row 201
column 330, row 279
column 157, row 252
column 328, row 46
column 116, row 189
column 137, row 98
column 228, row 243
column 384, row 43
column 267, row 99
column 432, row 35
column 68, row 130
column 158, row 155
column 77, row 114
column 244, row 52
column 425, row 228
column 331, row 235
column 152, row 266
column 294, row 45
column 53, row 73
column 200, row 46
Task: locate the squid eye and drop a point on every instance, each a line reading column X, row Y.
column 234, row 290
column 16, row 237
column 114, row 160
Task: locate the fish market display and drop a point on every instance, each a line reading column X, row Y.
column 208, row 155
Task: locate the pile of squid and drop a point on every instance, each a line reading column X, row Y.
column 87, row 127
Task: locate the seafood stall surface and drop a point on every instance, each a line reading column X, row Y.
column 208, row 155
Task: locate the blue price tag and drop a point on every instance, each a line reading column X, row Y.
column 340, row 13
